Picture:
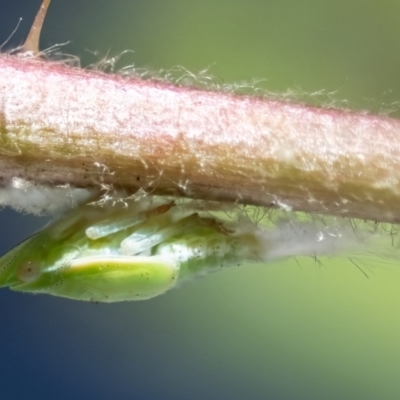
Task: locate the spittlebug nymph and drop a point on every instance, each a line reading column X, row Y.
column 121, row 252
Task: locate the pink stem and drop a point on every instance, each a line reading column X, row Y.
column 65, row 125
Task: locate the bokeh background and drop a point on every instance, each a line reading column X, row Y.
column 298, row 329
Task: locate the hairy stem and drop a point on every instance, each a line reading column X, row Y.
column 63, row 125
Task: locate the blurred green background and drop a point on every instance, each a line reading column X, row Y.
column 291, row 330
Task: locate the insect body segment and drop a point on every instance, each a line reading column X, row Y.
column 117, row 253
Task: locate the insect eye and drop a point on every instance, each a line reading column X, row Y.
column 28, row 272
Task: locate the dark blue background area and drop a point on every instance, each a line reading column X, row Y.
column 54, row 348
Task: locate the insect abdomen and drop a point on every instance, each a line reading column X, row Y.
column 208, row 252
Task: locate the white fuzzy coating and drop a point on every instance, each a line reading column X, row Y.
column 291, row 237
column 286, row 234
column 32, row 198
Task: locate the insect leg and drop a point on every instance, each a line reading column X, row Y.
column 137, row 242
column 120, row 221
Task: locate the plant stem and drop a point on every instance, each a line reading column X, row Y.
column 64, row 125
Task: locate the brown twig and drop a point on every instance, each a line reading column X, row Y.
column 66, row 125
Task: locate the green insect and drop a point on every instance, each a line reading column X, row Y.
column 120, row 252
